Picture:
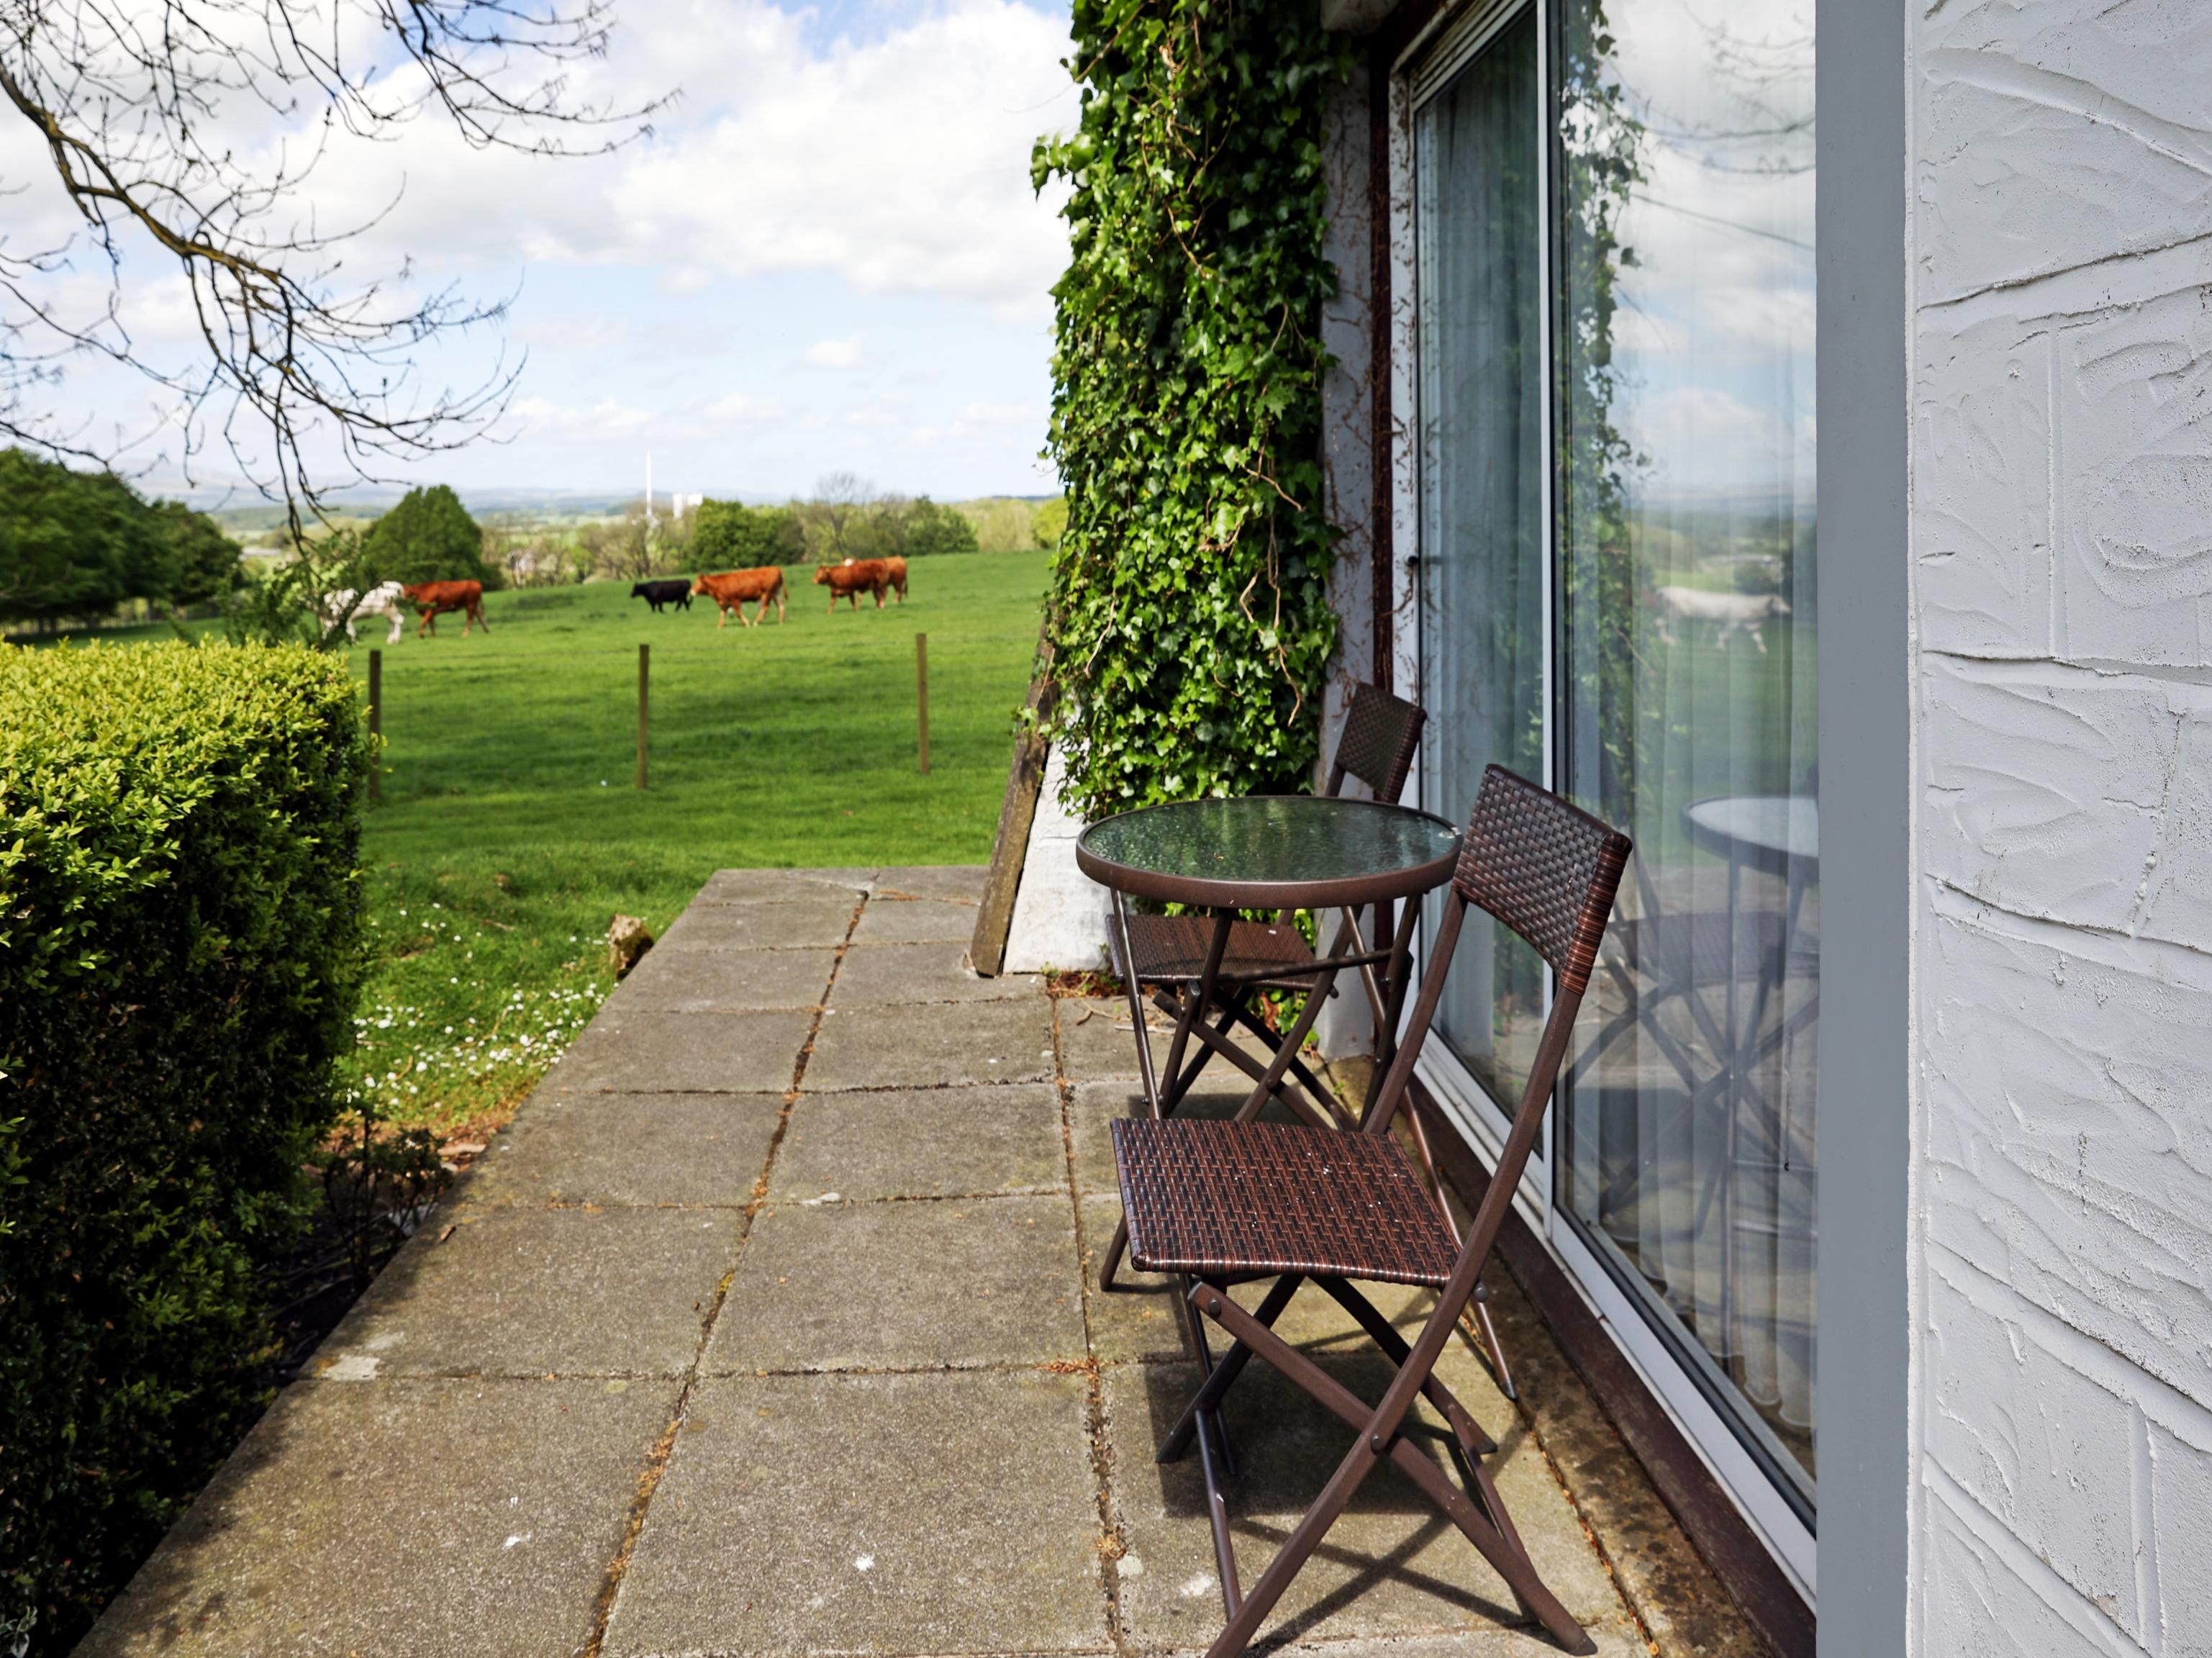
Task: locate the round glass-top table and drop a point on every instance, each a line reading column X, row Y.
column 1271, row 852
column 1772, row 832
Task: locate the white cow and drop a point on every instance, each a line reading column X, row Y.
column 1748, row 611
column 386, row 598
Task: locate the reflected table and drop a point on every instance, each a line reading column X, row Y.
column 1780, row 834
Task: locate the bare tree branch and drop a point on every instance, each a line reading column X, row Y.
column 139, row 105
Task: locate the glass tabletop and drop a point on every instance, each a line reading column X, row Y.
column 1289, row 849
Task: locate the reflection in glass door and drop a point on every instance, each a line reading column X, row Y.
column 1617, row 582
column 1689, row 612
column 1477, row 162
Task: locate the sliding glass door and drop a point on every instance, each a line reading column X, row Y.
column 1618, row 593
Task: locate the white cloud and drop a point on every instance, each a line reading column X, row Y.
column 835, row 354
column 742, row 408
column 607, row 416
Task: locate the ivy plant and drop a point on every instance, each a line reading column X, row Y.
column 1188, row 617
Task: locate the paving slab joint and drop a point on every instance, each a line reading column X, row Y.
column 1113, row 1537
column 657, row 1461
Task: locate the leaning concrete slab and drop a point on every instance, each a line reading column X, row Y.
column 871, row 1514
column 406, row 1519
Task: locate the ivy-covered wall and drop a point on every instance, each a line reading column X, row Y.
column 1189, row 612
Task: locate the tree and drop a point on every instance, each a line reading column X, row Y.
column 931, row 530
column 72, row 545
column 735, row 536
column 1047, row 521
column 156, row 122
column 201, row 560
column 428, row 536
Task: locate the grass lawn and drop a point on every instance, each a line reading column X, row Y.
column 511, row 829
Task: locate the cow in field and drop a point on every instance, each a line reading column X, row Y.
column 345, row 606
column 658, row 594
column 435, row 599
column 894, row 577
column 1748, row 611
column 853, row 577
column 732, row 588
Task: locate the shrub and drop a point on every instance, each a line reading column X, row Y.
column 428, row 536
column 180, row 950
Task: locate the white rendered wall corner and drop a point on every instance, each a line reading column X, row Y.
column 1060, row 913
column 2061, row 341
column 1347, row 331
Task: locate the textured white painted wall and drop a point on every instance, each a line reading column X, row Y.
column 2062, row 512
column 1347, row 326
column 1060, row 914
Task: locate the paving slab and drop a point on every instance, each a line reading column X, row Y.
column 924, row 973
column 775, row 886
column 796, row 922
column 914, row 920
column 404, row 1519
column 883, row 1286
column 925, row 1142
column 657, row 1051
column 1391, row 1566
column 961, row 883
column 630, row 1149
column 516, row 1291
column 871, row 1513
column 717, row 981
column 932, row 1046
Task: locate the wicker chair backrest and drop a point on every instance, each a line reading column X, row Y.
column 1381, row 733
column 1546, row 869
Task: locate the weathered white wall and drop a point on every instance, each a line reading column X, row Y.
column 2061, row 335
column 1060, row 914
column 1348, row 462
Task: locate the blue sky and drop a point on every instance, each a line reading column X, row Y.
column 827, row 257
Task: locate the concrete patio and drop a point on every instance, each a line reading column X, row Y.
column 769, row 1327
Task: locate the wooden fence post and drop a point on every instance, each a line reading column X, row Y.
column 644, row 693
column 375, row 726
column 921, row 694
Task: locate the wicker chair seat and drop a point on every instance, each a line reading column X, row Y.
column 1171, row 949
column 1224, row 1199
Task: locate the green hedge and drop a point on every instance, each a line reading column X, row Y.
column 180, row 952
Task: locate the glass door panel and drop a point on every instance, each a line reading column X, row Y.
column 1478, row 158
column 1689, row 613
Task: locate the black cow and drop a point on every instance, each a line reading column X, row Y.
column 658, row 594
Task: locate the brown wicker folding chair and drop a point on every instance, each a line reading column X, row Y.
column 1165, row 955
column 1219, row 1203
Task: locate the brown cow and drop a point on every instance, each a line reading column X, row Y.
column 895, row 576
column 732, row 588
column 433, row 598
column 853, row 577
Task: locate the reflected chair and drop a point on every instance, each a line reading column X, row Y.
column 1222, row 1203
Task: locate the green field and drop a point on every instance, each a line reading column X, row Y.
column 511, row 829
